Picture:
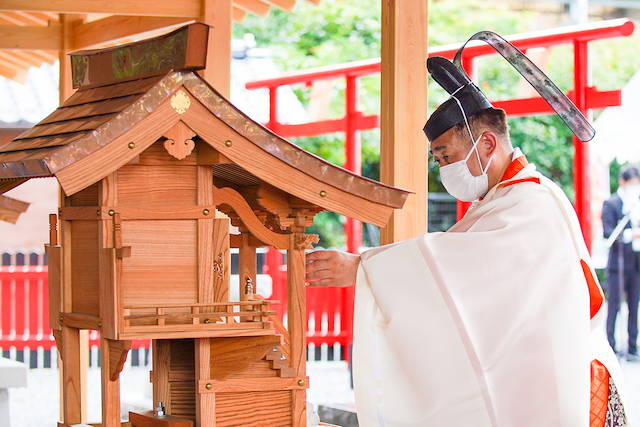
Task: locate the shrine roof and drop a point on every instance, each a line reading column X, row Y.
column 96, row 115
column 131, row 95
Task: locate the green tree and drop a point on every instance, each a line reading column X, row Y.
column 338, row 31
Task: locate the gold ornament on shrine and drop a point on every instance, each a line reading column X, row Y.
column 180, row 102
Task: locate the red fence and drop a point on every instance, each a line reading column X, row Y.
column 24, row 320
column 24, row 316
column 329, row 310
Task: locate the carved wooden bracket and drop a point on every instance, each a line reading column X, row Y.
column 285, row 206
column 304, row 241
column 118, row 351
column 233, row 199
column 57, row 335
column 179, row 141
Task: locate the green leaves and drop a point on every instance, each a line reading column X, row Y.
column 337, row 31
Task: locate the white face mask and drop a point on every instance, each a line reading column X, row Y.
column 461, row 183
column 457, row 178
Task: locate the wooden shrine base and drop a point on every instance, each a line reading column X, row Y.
column 148, row 419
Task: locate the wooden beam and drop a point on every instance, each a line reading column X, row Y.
column 46, row 56
column 31, row 56
column 13, row 72
column 256, row 7
column 182, row 8
column 20, row 18
column 13, row 60
column 18, row 37
column 403, row 146
column 116, row 28
column 218, row 14
column 23, row 59
column 238, row 14
column 286, row 5
column 37, row 18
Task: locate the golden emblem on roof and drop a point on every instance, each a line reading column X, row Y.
column 180, row 102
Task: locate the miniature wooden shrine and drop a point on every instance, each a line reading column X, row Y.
column 157, row 171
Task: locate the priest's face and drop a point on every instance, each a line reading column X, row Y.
column 453, row 146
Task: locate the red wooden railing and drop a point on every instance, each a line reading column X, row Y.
column 24, row 319
column 24, row 322
column 24, row 311
column 329, row 310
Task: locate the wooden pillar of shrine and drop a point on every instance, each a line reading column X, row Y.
column 247, row 265
column 112, row 357
column 75, row 352
column 403, row 145
column 73, row 385
column 205, row 400
column 297, row 315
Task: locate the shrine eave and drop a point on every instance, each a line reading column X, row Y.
column 100, row 128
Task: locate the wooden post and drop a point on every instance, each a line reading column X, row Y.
column 109, row 267
column 206, row 291
column 205, row 402
column 218, row 14
column 403, row 146
column 67, row 24
column 112, row 358
column 73, row 389
column 246, row 263
column 297, row 319
column 160, row 375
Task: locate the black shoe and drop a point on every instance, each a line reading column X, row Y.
column 633, row 357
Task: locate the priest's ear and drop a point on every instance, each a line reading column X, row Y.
column 488, row 143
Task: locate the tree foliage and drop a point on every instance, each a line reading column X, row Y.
column 338, row 31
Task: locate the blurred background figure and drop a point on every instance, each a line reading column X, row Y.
column 623, row 266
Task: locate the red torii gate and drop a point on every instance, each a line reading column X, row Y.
column 584, row 96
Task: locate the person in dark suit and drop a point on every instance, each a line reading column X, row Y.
column 623, row 266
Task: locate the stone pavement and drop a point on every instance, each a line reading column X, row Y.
column 37, row 404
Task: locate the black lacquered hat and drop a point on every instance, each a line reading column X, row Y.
column 451, row 76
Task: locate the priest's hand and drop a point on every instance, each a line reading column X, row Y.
column 331, row 268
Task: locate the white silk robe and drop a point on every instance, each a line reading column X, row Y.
column 488, row 324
